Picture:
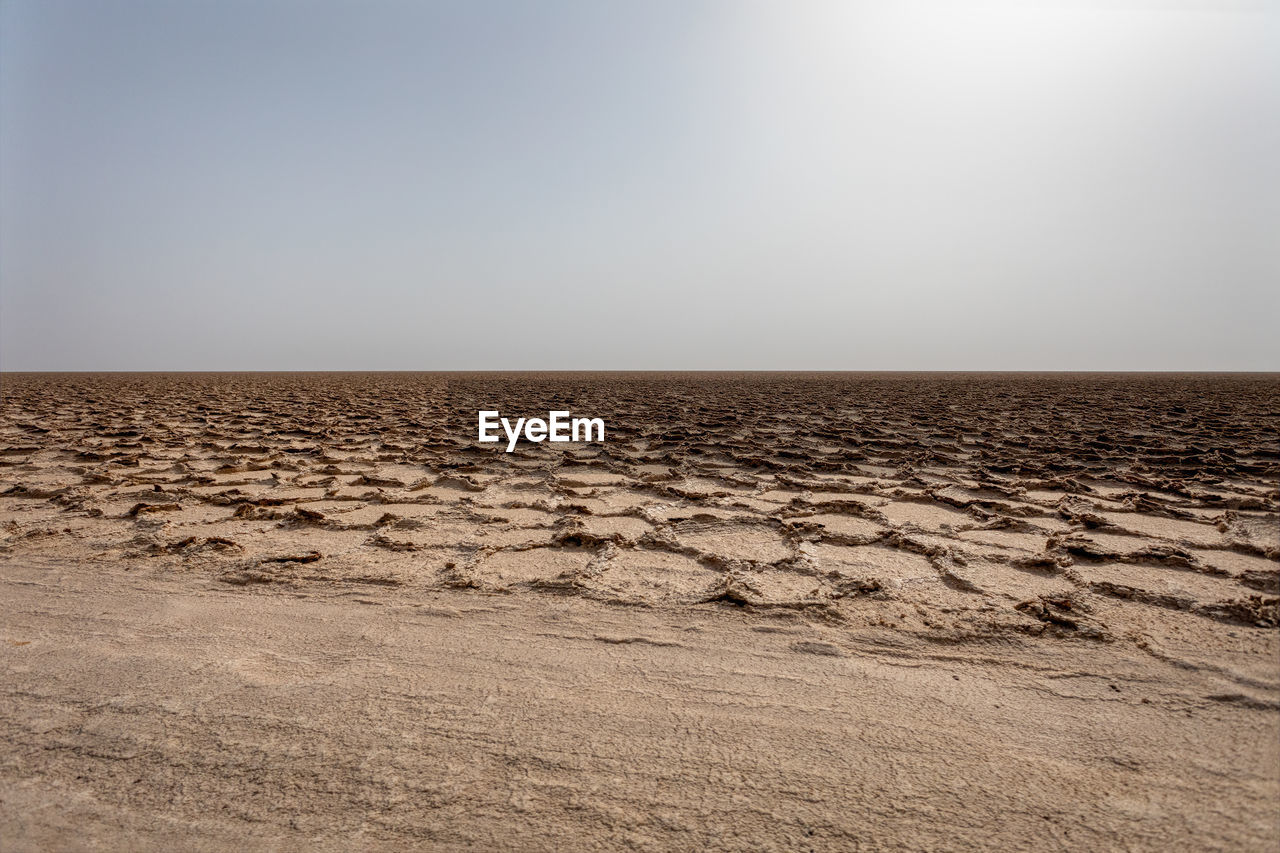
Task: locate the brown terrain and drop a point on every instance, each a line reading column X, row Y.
column 769, row 612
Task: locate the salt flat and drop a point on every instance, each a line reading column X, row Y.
column 920, row 612
column 149, row 712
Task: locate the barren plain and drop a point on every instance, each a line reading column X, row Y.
column 770, row 611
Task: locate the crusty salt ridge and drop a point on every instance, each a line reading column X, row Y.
column 312, row 606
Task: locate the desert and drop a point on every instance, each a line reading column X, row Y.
column 771, row 611
column 742, row 427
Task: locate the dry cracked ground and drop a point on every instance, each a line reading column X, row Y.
column 757, row 560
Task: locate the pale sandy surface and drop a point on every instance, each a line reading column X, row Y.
column 770, row 612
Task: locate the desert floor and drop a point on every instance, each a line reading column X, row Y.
column 770, row 611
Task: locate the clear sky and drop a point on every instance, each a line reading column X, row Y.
column 667, row 184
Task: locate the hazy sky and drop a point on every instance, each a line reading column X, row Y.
column 658, row 184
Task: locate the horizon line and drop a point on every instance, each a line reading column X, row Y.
column 660, row 370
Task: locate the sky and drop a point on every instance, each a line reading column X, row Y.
column 669, row 184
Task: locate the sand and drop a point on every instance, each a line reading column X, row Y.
column 770, row 611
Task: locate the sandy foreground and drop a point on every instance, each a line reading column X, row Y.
column 770, row 611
